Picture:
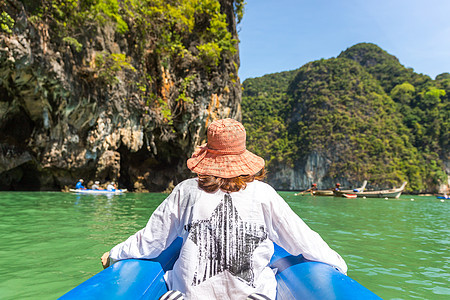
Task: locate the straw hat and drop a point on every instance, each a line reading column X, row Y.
column 225, row 154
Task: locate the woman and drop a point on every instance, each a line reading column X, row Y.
column 228, row 219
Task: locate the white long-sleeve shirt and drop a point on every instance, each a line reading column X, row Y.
column 227, row 240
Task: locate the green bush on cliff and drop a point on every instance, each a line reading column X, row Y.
column 74, row 43
column 182, row 96
column 108, row 65
column 6, row 23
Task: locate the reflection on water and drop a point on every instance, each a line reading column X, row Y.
column 53, row 241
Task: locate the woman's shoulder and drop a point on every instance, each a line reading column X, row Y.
column 261, row 186
column 188, row 184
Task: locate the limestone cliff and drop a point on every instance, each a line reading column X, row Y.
column 126, row 98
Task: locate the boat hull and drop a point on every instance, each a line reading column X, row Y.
column 323, row 193
column 375, row 194
column 297, row 278
column 351, row 196
column 380, row 195
column 392, row 193
column 97, row 192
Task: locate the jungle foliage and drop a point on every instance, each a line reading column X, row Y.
column 166, row 23
column 156, row 35
column 371, row 117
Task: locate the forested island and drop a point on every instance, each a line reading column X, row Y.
column 359, row 116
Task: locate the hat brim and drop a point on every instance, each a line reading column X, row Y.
column 226, row 166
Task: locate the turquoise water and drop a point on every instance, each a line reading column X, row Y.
column 52, row 242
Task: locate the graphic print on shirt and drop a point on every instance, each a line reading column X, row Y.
column 225, row 242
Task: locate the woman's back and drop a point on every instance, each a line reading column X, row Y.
column 228, row 241
column 227, row 236
column 225, row 244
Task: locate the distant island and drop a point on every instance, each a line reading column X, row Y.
column 359, row 116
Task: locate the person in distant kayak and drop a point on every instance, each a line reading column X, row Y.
column 111, row 186
column 337, row 188
column 96, row 186
column 229, row 220
column 79, row 185
column 312, row 189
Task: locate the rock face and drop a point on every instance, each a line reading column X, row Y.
column 63, row 117
column 313, row 169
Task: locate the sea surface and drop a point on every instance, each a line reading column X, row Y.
column 51, row 241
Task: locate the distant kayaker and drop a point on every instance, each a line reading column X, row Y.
column 312, row 189
column 96, row 186
column 111, row 186
column 337, row 188
column 79, row 185
column 228, row 219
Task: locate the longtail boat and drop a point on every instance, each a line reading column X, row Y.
column 391, row 193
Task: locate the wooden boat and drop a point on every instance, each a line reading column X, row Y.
column 392, row 193
column 297, row 278
column 331, row 192
column 98, row 192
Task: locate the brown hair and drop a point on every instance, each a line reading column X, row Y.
column 210, row 183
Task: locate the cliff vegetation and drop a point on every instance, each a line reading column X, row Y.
column 360, row 116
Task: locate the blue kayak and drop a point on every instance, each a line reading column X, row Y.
column 297, row 278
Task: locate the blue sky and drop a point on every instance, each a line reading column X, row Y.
column 281, row 35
